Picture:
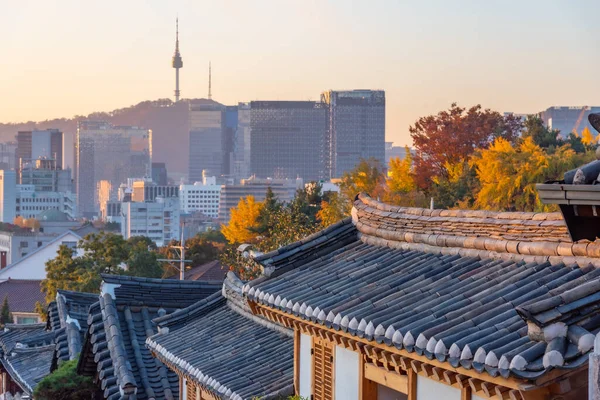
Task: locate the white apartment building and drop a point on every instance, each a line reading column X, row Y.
column 203, row 197
column 30, row 203
column 158, row 220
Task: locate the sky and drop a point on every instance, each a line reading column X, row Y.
column 73, row 57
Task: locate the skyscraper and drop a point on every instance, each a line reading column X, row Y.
column 33, row 145
column 112, row 153
column 177, row 62
column 207, row 140
column 8, row 196
column 568, row 119
column 287, row 139
column 356, row 128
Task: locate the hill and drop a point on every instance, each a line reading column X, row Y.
column 168, row 121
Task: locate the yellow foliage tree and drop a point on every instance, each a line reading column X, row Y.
column 400, row 177
column 243, row 221
column 332, row 211
column 508, row 175
column 587, row 137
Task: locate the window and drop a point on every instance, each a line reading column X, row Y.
column 69, row 244
column 27, row 320
column 24, row 244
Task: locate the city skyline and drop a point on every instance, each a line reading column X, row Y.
column 424, row 56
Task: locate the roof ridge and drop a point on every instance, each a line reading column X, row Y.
column 197, row 309
column 127, row 279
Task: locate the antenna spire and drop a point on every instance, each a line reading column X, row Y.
column 177, row 62
column 209, row 81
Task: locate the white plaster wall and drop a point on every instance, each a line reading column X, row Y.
column 33, row 267
column 428, row 389
column 475, row 397
column 184, row 387
column 346, row 372
column 305, row 365
column 385, row 393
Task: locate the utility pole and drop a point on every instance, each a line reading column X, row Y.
column 181, row 255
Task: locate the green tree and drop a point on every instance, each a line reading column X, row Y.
column 68, row 272
column 541, row 135
column 104, row 253
column 5, row 315
column 65, row 383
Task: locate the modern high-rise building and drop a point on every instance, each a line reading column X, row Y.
column 45, row 175
column 229, row 133
column 144, row 190
column 112, row 153
column 159, row 173
column 356, row 128
column 568, row 119
column 240, row 158
column 203, row 197
column 8, row 196
column 8, row 151
column 206, row 145
column 287, row 139
column 157, row 220
column 32, row 145
column 283, row 189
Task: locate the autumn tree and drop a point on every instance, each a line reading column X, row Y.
column 333, row 209
column 368, row 176
column 508, row 174
column 452, row 136
column 243, row 222
column 400, row 174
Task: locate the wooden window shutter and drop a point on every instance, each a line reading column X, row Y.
column 322, row 369
column 191, row 391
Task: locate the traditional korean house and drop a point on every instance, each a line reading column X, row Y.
column 408, row 303
column 26, row 354
column 67, row 318
column 114, row 351
column 220, row 349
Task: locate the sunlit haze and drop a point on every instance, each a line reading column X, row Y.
column 66, row 58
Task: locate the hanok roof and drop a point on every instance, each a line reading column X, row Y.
column 67, row 318
column 26, row 354
column 458, row 286
column 22, row 294
column 218, row 344
column 118, row 325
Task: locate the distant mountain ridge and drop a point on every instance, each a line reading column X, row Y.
column 168, row 120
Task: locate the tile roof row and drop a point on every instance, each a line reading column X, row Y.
column 114, row 346
column 218, row 344
column 27, row 352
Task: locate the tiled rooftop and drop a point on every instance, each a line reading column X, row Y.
column 218, row 344
column 440, row 295
column 26, row 354
column 67, row 318
column 22, row 294
column 114, row 346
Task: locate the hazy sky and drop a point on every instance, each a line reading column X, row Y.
column 68, row 57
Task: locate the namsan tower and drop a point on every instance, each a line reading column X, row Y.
column 177, row 61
